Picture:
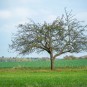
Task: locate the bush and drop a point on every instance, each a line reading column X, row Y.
column 70, row 57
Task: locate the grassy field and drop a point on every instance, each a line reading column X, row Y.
column 68, row 73
column 63, row 77
column 45, row 64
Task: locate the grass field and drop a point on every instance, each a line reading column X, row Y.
column 45, row 64
column 43, row 78
column 68, row 73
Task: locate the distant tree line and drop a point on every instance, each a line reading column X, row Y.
column 16, row 59
column 13, row 59
column 71, row 57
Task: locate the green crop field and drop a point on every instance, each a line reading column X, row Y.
column 68, row 73
column 45, row 64
column 43, row 78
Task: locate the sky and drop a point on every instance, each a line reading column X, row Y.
column 14, row 12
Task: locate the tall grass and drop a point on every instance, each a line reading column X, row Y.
column 42, row 78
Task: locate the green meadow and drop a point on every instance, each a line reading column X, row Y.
column 67, row 73
column 43, row 78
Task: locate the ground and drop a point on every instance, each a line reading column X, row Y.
column 26, row 77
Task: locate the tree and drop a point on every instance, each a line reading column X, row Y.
column 65, row 34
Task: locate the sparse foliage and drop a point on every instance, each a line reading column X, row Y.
column 65, row 34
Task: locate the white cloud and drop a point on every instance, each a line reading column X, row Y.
column 5, row 14
column 21, row 12
column 18, row 13
column 29, row 1
column 25, row 1
column 16, row 16
column 15, row 2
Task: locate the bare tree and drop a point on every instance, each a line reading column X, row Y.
column 65, row 34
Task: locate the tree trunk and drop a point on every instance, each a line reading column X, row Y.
column 52, row 61
column 52, row 64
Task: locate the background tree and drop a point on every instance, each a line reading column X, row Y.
column 65, row 34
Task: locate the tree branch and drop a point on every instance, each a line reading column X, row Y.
column 60, row 53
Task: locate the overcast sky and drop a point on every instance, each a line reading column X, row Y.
column 14, row 12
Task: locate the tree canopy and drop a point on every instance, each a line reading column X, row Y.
column 65, row 34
